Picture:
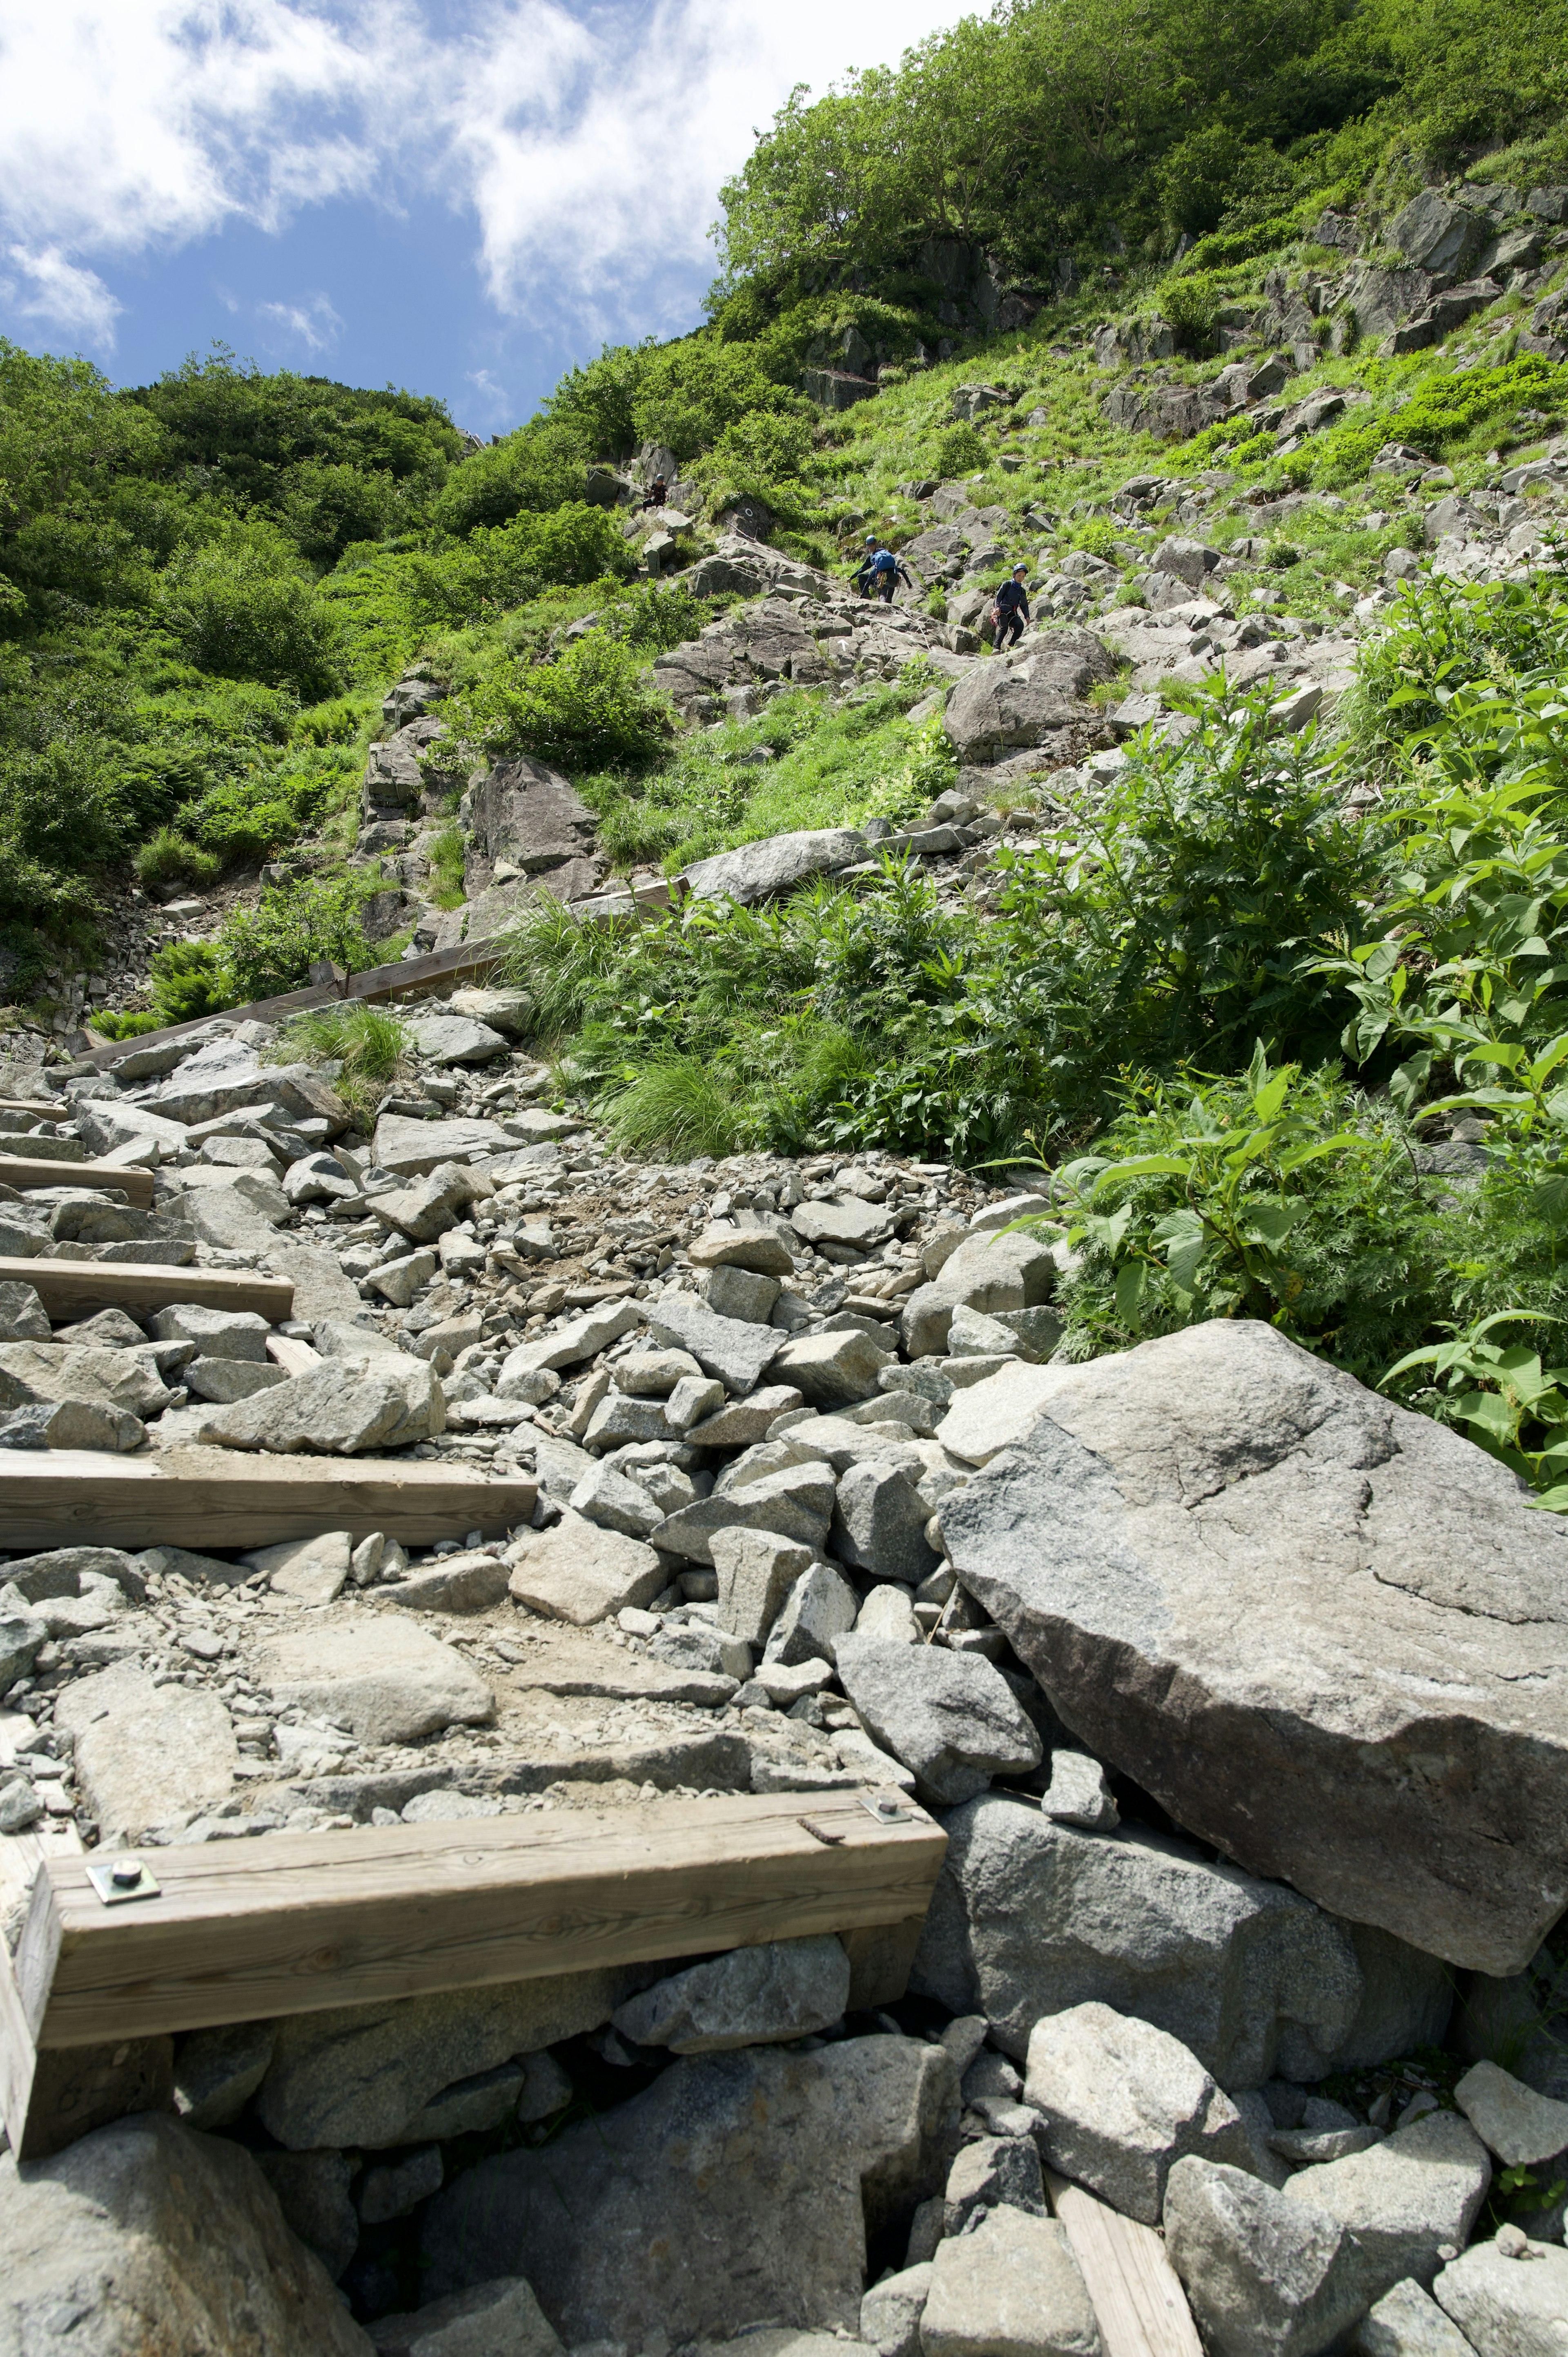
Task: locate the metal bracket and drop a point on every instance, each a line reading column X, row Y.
column 117, row 1880
column 887, row 1808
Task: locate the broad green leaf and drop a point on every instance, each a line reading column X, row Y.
column 1130, row 1280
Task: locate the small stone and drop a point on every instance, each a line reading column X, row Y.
column 1520, row 2125
column 891, row 2311
column 72, row 1423
column 818, row 1612
column 216, row 2071
column 755, row 1572
column 495, row 2319
column 950, row 1718
column 1408, row 2322
column 735, row 1292
column 394, row 2188
column 833, row 1369
column 620, row 1418
column 399, row 1280
column 887, row 1612
column 1078, row 1794
column 312, row 1570
column 742, row 1423
column 879, row 1524
column 1121, row 2103
column 218, row 1333
column 993, row 2172
column 23, row 1318
column 753, row 1996
column 1011, row 2287
column 734, row 1352
column 19, row 1803
column 796, row 1502
column 654, row 1374
column 580, row 1573
column 608, row 1499
column 1265, row 2272
column 474, row 1581
column 225, row 1380
column 761, row 1250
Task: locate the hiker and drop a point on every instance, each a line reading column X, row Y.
column 863, row 574
column 1011, row 610
column 887, row 573
column 656, row 491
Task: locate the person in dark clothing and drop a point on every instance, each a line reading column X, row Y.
column 656, row 491
column 1011, row 609
column 863, row 577
column 885, row 575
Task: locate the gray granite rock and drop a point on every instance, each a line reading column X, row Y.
column 736, row 1352
column 1408, row 2322
column 1122, row 2101
column 1395, row 1576
column 950, row 1718
column 1405, row 2198
column 785, row 2158
column 1012, row 2285
column 364, row 2074
column 1029, row 1918
column 146, row 2236
column 389, row 1680
column 1507, row 2306
column 753, row 1996
column 146, row 1754
column 1267, row 2275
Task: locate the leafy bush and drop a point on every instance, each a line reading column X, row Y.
column 960, row 450
column 189, row 982
column 538, row 469
column 239, row 609
column 593, row 708
column 368, row 1041
column 170, row 857
column 1196, row 178
column 265, row 951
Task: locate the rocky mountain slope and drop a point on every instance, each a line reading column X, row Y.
column 946, row 1136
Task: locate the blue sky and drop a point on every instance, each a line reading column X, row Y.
column 462, row 197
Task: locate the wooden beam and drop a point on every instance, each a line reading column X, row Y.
column 1136, row 2292
column 75, row 1288
column 55, row 1112
column 210, row 1499
column 376, row 982
column 26, row 1171
column 302, row 1923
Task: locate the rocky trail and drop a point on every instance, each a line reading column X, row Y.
column 1238, row 1695
column 792, row 1439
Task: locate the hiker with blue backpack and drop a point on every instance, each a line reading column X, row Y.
column 880, row 575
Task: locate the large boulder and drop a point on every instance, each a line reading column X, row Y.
column 738, row 2187
column 1030, row 1917
column 1267, row 2275
column 146, row 2236
column 1329, row 1635
column 757, row 870
column 1025, row 700
column 525, row 816
column 1405, row 2200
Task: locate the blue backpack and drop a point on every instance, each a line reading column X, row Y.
column 885, row 561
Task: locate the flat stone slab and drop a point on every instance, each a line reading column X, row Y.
column 1330, row 1636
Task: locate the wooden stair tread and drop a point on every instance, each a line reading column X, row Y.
column 1136, row 2292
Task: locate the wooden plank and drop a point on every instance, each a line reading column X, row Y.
column 26, row 1171
column 376, row 982
column 881, row 1956
column 75, row 1288
column 1136, row 2292
column 209, row 1499
column 301, row 1922
column 55, row 1111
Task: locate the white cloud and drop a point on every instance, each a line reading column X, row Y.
column 311, row 322
column 586, row 139
column 60, row 295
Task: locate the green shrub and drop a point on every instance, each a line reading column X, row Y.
column 593, row 708
column 170, row 857
column 1190, row 307
column 110, row 1026
column 368, row 1041
column 239, row 609
column 1197, row 176
column 270, row 949
column 960, row 450
column 189, row 982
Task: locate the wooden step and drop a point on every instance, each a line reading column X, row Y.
column 26, row 1172
column 55, row 1111
column 303, row 1922
column 70, row 1289
column 212, row 1499
column 1136, row 2292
